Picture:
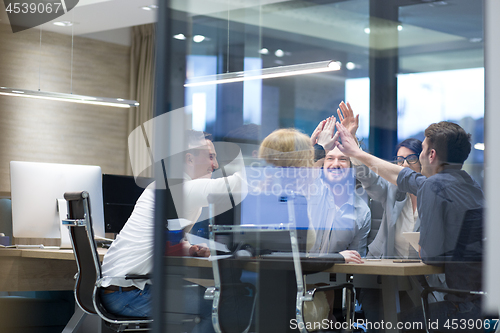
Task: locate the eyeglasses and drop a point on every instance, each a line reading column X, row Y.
column 411, row 159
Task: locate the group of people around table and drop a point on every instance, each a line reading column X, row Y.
column 423, row 190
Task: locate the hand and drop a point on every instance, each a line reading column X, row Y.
column 319, row 128
column 349, row 146
column 326, row 137
column 351, row 256
column 347, row 118
column 200, row 250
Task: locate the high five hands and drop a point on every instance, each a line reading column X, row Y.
column 324, row 132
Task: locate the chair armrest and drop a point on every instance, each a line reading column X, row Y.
column 326, row 288
column 429, row 290
column 138, row 277
column 425, row 300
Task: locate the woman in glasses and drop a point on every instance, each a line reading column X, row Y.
column 400, row 208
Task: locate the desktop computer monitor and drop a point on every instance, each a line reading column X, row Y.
column 36, row 188
column 120, row 194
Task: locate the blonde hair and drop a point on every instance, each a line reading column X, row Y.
column 287, row 147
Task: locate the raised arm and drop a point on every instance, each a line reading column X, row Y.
column 349, row 147
column 347, row 118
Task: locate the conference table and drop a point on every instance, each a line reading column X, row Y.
column 54, row 269
column 388, row 272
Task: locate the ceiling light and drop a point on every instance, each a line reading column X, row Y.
column 479, row 146
column 115, row 102
column 475, row 40
column 63, row 23
column 438, row 3
column 150, row 7
column 279, row 53
column 180, row 37
column 198, row 38
column 264, row 51
column 266, row 73
column 400, row 27
column 367, row 30
column 350, row 66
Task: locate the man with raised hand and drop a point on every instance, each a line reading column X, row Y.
column 340, row 217
column 444, row 193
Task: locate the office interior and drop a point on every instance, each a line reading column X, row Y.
column 403, row 65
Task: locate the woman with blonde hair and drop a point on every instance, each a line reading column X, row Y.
column 290, row 148
column 287, row 147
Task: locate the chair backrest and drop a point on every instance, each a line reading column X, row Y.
column 82, row 239
column 469, row 246
column 463, row 269
column 377, row 211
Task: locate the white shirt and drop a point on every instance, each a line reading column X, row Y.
column 405, row 223
column 132, row 251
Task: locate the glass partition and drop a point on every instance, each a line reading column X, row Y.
column 260, row 221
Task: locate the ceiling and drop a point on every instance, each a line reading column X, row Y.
column 446, row 26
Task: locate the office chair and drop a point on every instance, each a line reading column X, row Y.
column 462, row 265
column 89, row 276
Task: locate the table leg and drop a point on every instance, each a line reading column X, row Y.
column 390, row 297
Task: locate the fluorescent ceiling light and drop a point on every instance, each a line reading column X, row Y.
column 63, row 23
column 150, row 7
column 479, row 146
column 266, row 73
column 114, row 102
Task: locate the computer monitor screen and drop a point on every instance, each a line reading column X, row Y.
column 35, row 188
column 120, row 194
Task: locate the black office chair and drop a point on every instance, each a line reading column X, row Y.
column 89, row 276
column 463, row 265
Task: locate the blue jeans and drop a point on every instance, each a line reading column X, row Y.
column 137, row 303
column 134, row 303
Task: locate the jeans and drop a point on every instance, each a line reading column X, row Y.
column 134, row 303
column 137, row 303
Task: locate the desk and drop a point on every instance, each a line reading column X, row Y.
column 38, row 269
column 386, row 268
column 389, row 272
column 44, row 269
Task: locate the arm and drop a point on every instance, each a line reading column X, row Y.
column 376, row 186
column 196, row 191
column 349, row 147
column 359, row 242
